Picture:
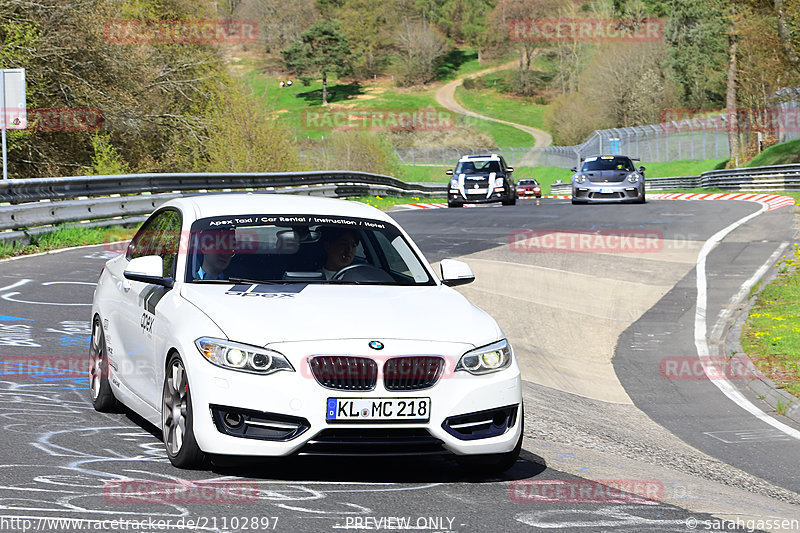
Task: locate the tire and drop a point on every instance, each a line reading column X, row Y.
column 643, row 200
column 176, row 408
column 575, row 202
column 100, row 391
column 454, row 204
column 495, row 463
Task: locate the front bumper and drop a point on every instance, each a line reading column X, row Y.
column 297, row 399
column 477, row 197
column 617, row 192
column 525, row 193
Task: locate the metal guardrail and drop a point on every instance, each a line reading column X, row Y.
column 32, row 206
column 767, row 179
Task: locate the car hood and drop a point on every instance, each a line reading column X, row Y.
column 611, row 176
column 264, row 314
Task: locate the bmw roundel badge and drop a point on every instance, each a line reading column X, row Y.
column 376, row 345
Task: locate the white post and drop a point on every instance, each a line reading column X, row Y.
column 3, row 116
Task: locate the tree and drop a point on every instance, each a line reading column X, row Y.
column 421, row 50
column 509, row 12
column 368, row 26
column 322, row 48
column 697, row 35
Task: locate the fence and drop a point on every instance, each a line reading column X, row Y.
column 695, row 139
column 696, row 136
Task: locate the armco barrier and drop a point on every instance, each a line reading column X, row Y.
column 32, row 206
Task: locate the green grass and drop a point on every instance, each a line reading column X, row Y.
column 778, row 154
column 387, row 202
column 65, row 237
column 494, row 104
column 681, row 168
column 771, row 335
column 422, row 173
column 300, row 107
column 461, row 62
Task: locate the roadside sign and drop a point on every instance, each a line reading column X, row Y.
column 14, row 107
column 13, row 110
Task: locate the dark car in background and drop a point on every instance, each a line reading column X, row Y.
column 480, row 179
column 529, row 188
column 608, row 178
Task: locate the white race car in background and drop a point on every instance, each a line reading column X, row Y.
column 224, row 325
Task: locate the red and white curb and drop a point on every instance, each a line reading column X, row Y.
column 774, row 201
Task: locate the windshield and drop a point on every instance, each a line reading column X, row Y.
column 607, row 163
column 477, row 166
column 301, row 249
column 528, row 182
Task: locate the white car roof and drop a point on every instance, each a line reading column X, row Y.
column 493, row 157
column 213, row 205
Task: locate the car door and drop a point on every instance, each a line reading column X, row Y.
column 138, row 303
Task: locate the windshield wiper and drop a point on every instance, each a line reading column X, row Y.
column 257, row 281
column 230, row 281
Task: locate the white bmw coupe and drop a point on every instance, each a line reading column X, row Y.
column 273, row 325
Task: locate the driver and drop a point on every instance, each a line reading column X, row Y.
column 340, row 249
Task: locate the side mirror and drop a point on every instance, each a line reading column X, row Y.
column 510, row 169
column 455, row 272
column 449, row 171
column 148, row 269
column 574, row 169
column 641, row 169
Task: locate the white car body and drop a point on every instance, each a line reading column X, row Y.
column 139, row 326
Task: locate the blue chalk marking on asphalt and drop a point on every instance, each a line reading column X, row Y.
column 11, row 318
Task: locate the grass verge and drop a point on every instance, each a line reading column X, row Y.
column 681, row 168
column 387, row 202
column 771, row 335
column 777, row 154
column 66, row 237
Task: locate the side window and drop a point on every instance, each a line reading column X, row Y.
column 141, row 241
column 166, row 240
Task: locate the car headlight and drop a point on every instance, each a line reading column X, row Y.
column 242, row 357
column 580, row 178
column 633, row 177
column 498, row 182
column 454, row 184
column 491, row 358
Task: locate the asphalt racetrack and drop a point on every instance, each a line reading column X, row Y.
column 591, row 328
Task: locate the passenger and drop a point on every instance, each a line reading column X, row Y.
column 217, row 248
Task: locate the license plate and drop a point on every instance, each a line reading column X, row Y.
column 384, row 409
column 608, row 191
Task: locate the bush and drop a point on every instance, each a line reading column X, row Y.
column 360, row 151
column 244, row 137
